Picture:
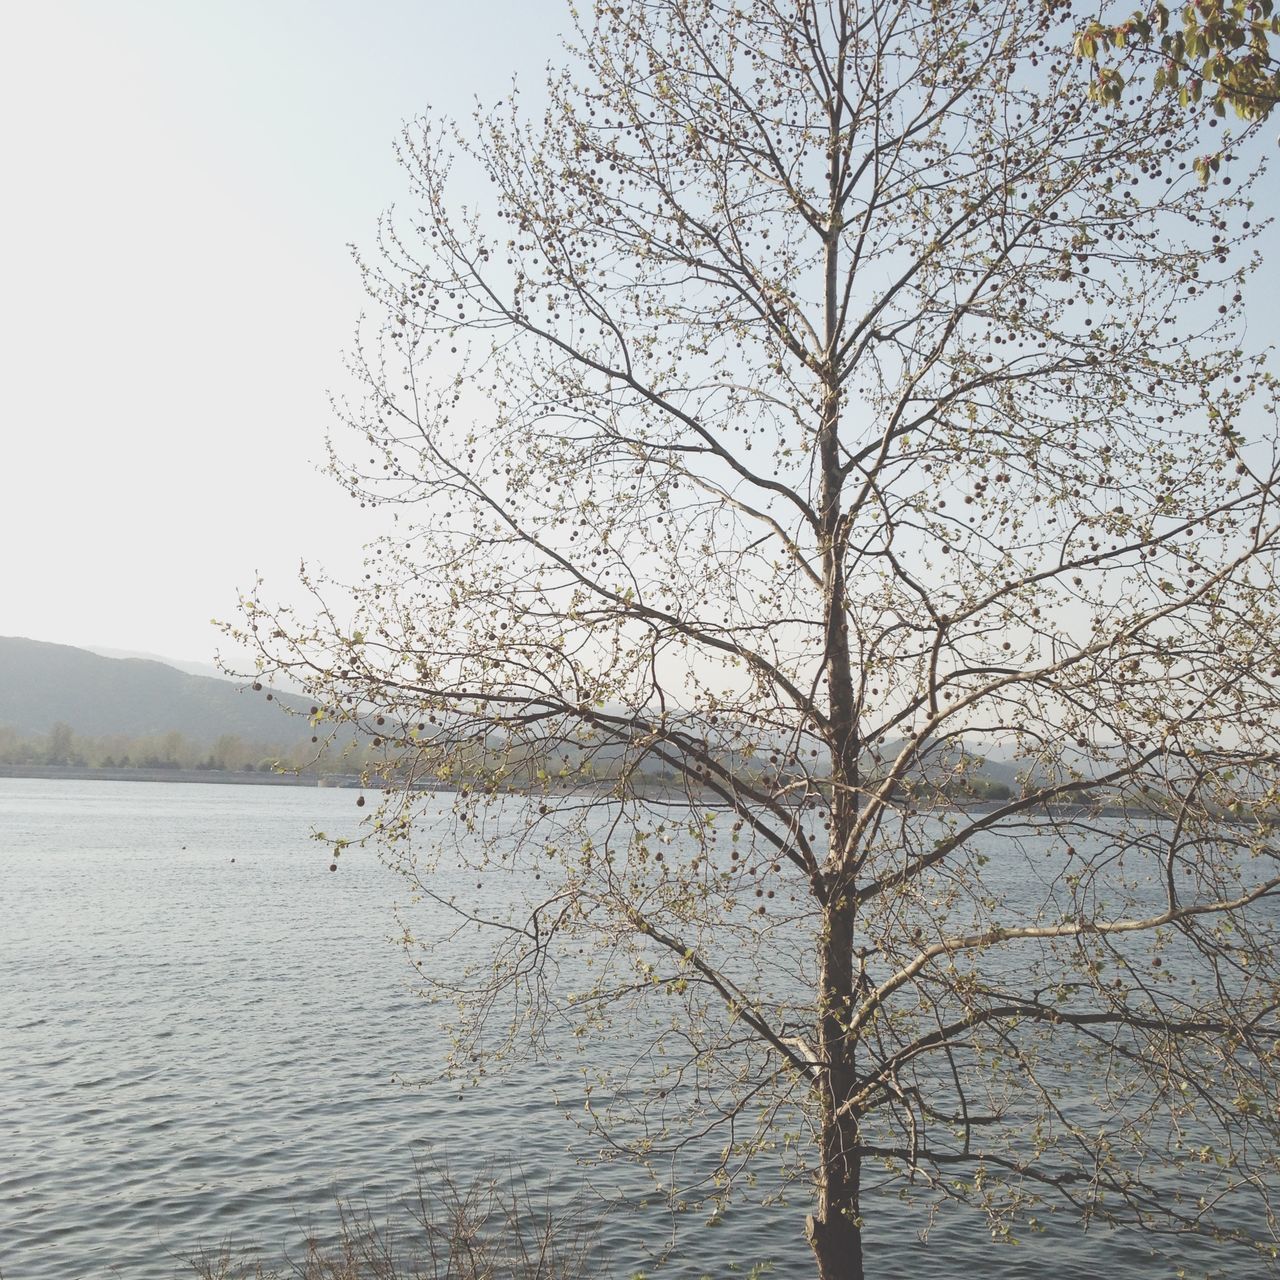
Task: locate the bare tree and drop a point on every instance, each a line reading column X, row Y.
column 828, row 398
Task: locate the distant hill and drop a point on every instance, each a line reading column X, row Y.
column 100, row 698
column 191, row 668
column 45, row 684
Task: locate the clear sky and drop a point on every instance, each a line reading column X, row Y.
column 181, row 181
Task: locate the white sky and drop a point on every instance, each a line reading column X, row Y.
column 181, row 180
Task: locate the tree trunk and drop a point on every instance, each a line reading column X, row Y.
column 834, row 1228
column 837, row 1245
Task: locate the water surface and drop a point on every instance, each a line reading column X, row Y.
column 203, row 1036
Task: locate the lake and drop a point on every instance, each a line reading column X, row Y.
column 203, row 1038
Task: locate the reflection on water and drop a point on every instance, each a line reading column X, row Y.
column 201, row 1033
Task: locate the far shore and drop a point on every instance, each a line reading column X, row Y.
column 265, row 778
column 245, row 777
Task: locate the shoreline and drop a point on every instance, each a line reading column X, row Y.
column 75, row 773
column 234, row 777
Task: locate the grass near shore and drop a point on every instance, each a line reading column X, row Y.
column 488, row 1229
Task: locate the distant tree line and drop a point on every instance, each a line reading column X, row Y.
column 63, row 747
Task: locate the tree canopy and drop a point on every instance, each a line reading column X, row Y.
column 1211, row 50
column 825, row 398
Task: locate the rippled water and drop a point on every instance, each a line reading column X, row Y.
column 200, row 1035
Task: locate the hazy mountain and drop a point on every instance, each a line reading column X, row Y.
column 182, row 664
column 44, row 684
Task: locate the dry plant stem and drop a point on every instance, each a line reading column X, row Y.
column 484, row 1229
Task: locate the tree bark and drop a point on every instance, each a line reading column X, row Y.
column 837, row 1245
column 834, row 1228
